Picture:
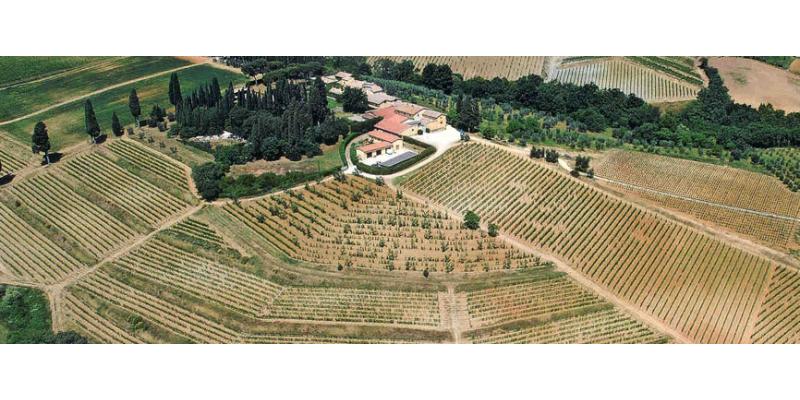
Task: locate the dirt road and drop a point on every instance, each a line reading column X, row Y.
column 563, row 266
column 96, row 92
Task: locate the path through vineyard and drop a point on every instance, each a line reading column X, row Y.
column 561, row 265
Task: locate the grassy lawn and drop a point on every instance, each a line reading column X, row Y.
column 26, row 98
column 159, row 141
column 65, row 123
column 22, row 69
column 329, row 159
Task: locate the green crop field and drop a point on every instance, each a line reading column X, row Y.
column 16, row 70
column 29, row 97
column 65, row 123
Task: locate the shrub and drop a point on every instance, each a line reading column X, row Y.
column 493, row 230
column 472, row 220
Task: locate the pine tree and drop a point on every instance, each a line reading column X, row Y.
column 116, row 127
column 133, row 105
column 175, row 89
column 90, row 120
column 41, row 141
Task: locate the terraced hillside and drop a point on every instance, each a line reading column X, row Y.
column 13, row 155
column 698, row 285
column 161, row 168
column 654, row 79
column 175, row 288
column 28, row 255
column 752, row 204
column 359, row 224
column 511, row 68
column 174, row 293
column 546, row 307
column 54, row 204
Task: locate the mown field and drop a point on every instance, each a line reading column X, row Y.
column 674, row 183
column 66, row 125
column 25, row 98
column 700, row 286
column 16, row 69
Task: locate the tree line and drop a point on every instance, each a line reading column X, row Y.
column 713, row 120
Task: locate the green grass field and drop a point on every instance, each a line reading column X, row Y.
column 323, row 162
column 65, row 123
column 14, row 70
column 19, row 100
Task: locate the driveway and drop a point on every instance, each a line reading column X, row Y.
column 442, row 141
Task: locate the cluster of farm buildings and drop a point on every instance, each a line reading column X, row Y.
column 400, row 119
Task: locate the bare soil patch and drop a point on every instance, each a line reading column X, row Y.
column 752, row 82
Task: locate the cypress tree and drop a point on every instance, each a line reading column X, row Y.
column 116, row 127
column 90, row 120
column 318, row 102
column 41, row 141
column 174, row 89
column 133, row 105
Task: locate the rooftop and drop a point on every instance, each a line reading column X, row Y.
column 383, row 136
column 379, row 98
column 408, row 109
column 393, row 124
column 374, row 146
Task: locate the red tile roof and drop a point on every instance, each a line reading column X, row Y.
column 381, row 135
column 384, row 111
column 374, row 146
column 392, row 124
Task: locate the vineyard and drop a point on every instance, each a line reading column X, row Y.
column 698, row 285
column 779, row 319
column 547, row 307
column 678, row 67
column 13, row 156
column 125, row 190
column 511, row 68
column 784, row 163
column 653, row 81
column 51, row 200
column 601, row 327
column 705, row 190
column 168, row 171
column 527, row 300
column 135, row 285
column 359, row 224
column 28, row 255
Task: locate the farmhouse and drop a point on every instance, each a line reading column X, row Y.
column 375, row 100
column 400, row 118
column 433, row 120
column 379, row 143
column 372, row 150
